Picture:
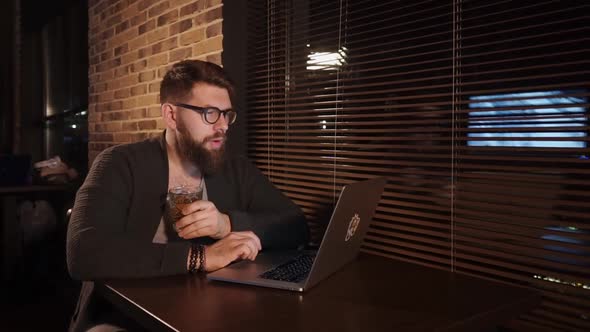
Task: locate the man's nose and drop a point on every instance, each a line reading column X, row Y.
column 221, row 124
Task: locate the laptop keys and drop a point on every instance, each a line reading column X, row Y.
column 294, row 270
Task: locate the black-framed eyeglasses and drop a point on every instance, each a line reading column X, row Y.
column 211, row 114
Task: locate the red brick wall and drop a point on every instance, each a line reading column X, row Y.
column 131, row 44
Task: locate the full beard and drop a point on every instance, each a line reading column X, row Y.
column 208, row 161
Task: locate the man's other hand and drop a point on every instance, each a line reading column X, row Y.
column 201, row 218
column 237, row 245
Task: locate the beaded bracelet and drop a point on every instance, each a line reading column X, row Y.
column 192, row 265
column 201, row 258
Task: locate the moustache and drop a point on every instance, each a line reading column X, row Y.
column 215, row 137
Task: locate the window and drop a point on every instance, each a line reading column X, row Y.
column 475, row 111
column 528, row 115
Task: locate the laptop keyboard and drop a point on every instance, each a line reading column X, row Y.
column 293, row 270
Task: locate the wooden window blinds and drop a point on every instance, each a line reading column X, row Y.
column 475, row 111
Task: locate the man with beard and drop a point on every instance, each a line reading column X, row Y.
column 118, row 224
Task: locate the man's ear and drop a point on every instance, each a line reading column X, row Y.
column 169, row 115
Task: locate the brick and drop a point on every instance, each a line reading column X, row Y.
column 130, row 126
column 114, row 105
column 93, row 31
column 113, row 116
column 101, row 107
column 176, row 3
column 214, row 30
column 157, row 60
column 138, row 19
column 139, row 90
column 129, row 57
column 93, row 79
column 192, row 36
column 93, row 60
column 101, row 47
column 111, row 126
column 93, row 21
column 106, row 96
column 147, row 75
column 158, row 9
column 100, row 7
column 138, row 136
column 138, row 42
column 169, row 17
column 100, row 87
column 144, row 52
column 139, row 66
column 121, row 71
column 160, row 124
column 105, row 56
column 113, row 20
column 107, row 75
column 163, row 70
column 124, row 137
column 154, row 112
column 147, row 100
column 116, row 7
column 129, row 103
column 208, row 16
column 115, row 83
column 127, row 81
column 147, row 26
column 180, row 54
column 123, row 37
column 144, row 4
column 215, row 58
column 129, row 11
column 121, row 27
column 165, row 45
column 154, row 87
column 181, row 26
column 121, row 49
column 137, row 113
column 192, row 8
column 213, row 3
column 122, row 93
column 211, row 45
column 147, row 124
column 157, row 35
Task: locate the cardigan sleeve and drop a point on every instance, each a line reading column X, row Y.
column 98, row 244
column 272, row 216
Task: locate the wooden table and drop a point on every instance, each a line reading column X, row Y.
column 371, row 294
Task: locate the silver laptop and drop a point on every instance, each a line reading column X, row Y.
column 301, row 270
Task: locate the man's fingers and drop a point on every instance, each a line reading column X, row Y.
column 244, row 250
column 197, row 206
column 249, row 235
column 191, row 218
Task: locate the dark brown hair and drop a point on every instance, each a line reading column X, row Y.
column 179, row 80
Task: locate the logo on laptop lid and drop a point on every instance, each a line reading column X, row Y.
column 352, row 226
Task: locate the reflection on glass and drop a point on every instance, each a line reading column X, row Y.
column 516, row 110
column 326, row 60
